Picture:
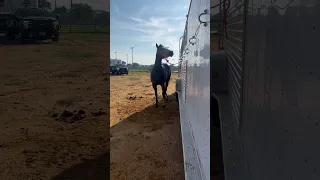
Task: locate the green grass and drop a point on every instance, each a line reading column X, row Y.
column 85, row 29
column 133, row 71
column 133, row 78
column 138, row 71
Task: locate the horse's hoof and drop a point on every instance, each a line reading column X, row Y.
column 164, row 106
column 156, row 106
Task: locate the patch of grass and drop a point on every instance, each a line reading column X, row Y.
column 85, row 29
column 133, row 78
column 76, row 55
column 86, row 37
column 134, row 70
column 146, row 71
column 138, row 72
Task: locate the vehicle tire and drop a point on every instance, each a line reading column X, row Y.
column 56, row 37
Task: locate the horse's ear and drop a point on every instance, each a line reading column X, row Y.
column 157, row 45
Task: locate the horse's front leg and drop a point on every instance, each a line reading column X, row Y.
column 155, row 93
column 164, row 93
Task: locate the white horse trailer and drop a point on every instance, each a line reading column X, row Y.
column 269, row 111
column 193, row 89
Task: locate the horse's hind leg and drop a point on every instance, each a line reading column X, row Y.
column 156, row 94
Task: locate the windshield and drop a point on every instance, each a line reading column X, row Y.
column 34, row 12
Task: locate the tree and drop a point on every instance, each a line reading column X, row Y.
column 135, row 65
column 82, row 14
column 102, row 18
column 44, row 4
column 64, row 14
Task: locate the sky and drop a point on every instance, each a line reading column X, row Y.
column 143, row 23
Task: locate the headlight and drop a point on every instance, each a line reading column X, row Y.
column 25, row 24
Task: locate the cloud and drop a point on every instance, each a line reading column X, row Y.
column 116, row 9
column 171, row 30
column 180, row 18
column 151, row 22
column 145, row 28
column 159, row 30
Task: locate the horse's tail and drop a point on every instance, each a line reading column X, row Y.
column 168, row 70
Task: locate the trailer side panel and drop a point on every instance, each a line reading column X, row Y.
column 194, row 97
column 281, row 90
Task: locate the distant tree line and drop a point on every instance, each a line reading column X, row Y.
column 137, row 66
column 80, row 14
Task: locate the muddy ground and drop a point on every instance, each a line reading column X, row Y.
column 54, row 109
column 145, row 142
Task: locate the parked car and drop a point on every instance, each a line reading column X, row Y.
column 114, row 70
column 33, row 23
column 123, row 70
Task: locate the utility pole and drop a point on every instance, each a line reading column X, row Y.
column 132, row 53
column 116, row 54
column 55, row 5
column 127, row 59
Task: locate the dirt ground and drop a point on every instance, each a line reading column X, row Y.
column 145, row 142
column 53, row 109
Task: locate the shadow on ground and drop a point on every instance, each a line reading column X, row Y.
column 96, row 169
column 145, row 146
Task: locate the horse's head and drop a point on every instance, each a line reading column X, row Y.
column 163, row 52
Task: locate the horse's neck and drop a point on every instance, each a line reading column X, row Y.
column 158, row 62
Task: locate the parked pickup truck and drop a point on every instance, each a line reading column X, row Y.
column 114, row 70
column 123, row 70
column 33, row 23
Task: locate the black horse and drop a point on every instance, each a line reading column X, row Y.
column 161, row 73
